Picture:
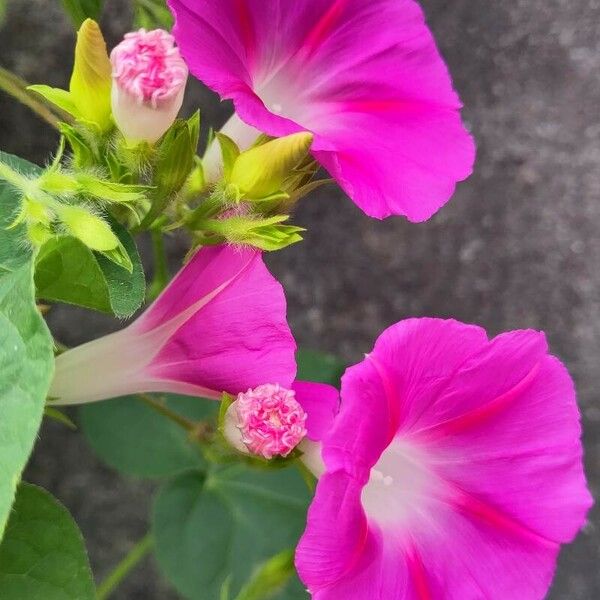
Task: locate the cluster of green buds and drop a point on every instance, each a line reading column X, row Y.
column 259, row 187
column 131, row 160
column 111, row 131
column 57, row 202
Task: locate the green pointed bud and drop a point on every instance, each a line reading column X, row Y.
column 57, row 182
column 261, row 171
column 91, row 81
column 93, row 231
column 267, row 234
column 37, row 212
column 88, row 98
column 109, row 191
column 38, row 234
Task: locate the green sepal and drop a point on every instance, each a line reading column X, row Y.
column 193, row 124
column 152, row 14
column 57, row 97
column 176, row 160
column 59, row 417
column 84, row 152
column 80, row 10
column 226, row 401
column 230, row 153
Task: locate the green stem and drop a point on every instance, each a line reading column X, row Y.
column 17, row 88
column 159, row 407
column 14, row 178
column 129, row 562
column 28, row 187
column 161, row 270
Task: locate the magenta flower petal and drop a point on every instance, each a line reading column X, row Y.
column 220, row 326
column 331, row 545
column 464, row 478
column 365, row 78
column 240, row 338
column 321, row 403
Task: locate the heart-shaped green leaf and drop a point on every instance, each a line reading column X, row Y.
column 218, row 529
column 133, row 438
column 42, row 555
column 68, row 271
column 26, row 356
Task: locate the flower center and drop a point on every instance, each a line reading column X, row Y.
column 148, row 65
column 271, row 420
column 398, row 486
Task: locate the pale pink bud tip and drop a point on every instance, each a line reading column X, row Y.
column 270, row 419
column 148, row 66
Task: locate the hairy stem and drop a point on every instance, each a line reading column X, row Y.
column 129, row 562
column 17, row 88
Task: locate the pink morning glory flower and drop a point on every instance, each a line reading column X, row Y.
column 271, row 420
column 149, row 78
column 364, row 77
column 453, row 470
column 220, row 326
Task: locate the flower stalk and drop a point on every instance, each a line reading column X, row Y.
column 124, row 568
column 17, row 88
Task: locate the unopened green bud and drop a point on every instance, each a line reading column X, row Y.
column 91, row 81
column 93, row 231
column 38, row 234
column 261, row 171
column 267, row 234
column 108, row 190
column 56, row 182
column 88, row 98
column 37, row 212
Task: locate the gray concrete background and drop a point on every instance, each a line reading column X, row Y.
column 517, row 247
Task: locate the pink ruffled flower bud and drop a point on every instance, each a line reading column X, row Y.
column 267, row 421
column 149, row 82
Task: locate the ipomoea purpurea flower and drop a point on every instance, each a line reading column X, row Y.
column 149, row 78
column 366, row 78
column 219, row 326
column 453, row 470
